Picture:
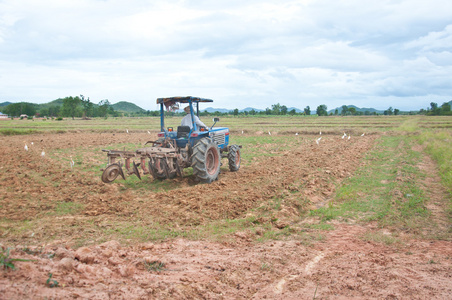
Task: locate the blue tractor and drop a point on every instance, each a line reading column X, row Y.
column 201, row 148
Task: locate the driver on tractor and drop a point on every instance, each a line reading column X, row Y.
column 186, row 121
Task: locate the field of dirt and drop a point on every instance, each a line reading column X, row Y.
column 301, row 173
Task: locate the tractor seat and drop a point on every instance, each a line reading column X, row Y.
column 183, row 132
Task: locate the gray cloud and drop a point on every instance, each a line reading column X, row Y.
column 239, row 53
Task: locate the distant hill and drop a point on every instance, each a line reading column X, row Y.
column 124, row 106
column 5, row 103
column 57, row 102
column 212, row 110
column 248, row 109
column 296, row 109
column 363, row 109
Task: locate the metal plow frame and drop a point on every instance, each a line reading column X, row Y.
column 117, row 158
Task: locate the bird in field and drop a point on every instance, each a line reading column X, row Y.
column 26, row 147
column 362, row 134
column 32, row 143
column 320, row 133
column 296, row 133
column 318, row 140
column 72, row 163
column 43, row 153
column 343, row 137
column 348, row 137
column 149, row 132
column 242, row 131
column 127, row 130
column 269, row 133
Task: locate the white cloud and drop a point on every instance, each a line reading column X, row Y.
column 433, row 41
column 239, row 53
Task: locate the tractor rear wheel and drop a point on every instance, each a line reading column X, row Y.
column 234, row 158
column 205, row 160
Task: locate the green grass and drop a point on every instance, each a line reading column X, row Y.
column 410, row 124
column 68, row 208
column 129, row 231
column 438, row 145
column 385, row 189
column 6, row 261
column 9, row 131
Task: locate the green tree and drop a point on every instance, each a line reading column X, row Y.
column 17, row 109
column 307, row 110
column 352, row 111
column 87, row 107
column 284, row 110
column 434, row 109
column 276, row 109
column 388, row 112
column 51, row 111
column 292, row 112
column 70, row 104
column 236, row 112
column 344, row 110
column 322, row 110
column 445, row 107
column 396, row 111
column 104, row 108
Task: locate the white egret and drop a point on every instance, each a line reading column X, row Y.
column 43, row 153
column 72, row 163
column 318, row 140
column 362, row 134
column 269, row 133
column 26, row 147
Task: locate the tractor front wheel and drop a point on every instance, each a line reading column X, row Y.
column 206, row 160
column 234, row 158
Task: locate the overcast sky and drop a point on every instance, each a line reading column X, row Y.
column 239, row 53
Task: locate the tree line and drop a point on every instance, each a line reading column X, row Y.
column 82, row 107
column 72, row 107
column 321, row 110
column 435, row 110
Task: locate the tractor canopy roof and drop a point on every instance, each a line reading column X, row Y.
column 186, row 99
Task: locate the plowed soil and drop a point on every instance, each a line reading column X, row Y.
column 304, row 175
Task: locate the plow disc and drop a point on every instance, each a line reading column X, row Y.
column 111, row 172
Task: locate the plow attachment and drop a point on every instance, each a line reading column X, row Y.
column 159, row 162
